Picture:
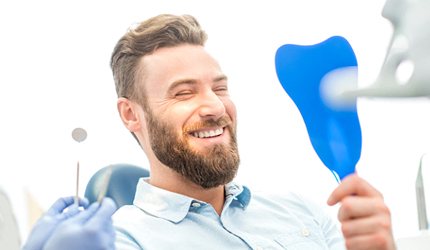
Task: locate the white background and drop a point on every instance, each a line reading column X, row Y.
column 55, row 76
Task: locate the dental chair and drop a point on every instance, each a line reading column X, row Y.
column 117, row 181
column 9, row 231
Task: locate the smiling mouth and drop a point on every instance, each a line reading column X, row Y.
column 208, row 133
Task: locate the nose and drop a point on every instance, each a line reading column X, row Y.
column 212, row 107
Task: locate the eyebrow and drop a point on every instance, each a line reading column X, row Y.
column 193, row 81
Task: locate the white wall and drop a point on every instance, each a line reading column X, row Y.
column 55, row 76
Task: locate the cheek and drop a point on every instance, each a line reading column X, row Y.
column 180, row 113
column 176, row 118
column 230, row 109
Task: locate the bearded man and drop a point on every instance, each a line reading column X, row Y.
column 174, row 99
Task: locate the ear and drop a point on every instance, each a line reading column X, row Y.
column 131, row 114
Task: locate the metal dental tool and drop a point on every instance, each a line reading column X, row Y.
column 421, row 201
column 104, row 184
column 79, row 135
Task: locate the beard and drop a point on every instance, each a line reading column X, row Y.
column 218, row 165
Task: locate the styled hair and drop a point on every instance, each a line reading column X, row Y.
column 161, row 31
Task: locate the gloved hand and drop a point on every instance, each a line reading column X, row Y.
column 91, row 229
column 60, row 211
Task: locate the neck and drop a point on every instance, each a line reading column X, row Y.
column 167, row 179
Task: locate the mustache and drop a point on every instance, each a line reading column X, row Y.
column 221, row 122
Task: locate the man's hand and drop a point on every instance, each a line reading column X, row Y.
column 365, row 218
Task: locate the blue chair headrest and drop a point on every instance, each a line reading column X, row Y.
column 122, row 183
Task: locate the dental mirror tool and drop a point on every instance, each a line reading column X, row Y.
column 79, row 135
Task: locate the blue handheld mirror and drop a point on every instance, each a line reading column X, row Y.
column 308, row 73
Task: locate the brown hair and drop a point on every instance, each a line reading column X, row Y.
column 157, row 32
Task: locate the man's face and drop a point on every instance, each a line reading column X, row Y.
column 190, row 118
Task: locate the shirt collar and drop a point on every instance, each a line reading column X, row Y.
column 174, row 207
column 234, row 192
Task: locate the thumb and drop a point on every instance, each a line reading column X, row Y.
column 106, row 210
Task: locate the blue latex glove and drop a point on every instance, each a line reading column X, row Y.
column 61, row 228
column 60, row 211
column 91, row 229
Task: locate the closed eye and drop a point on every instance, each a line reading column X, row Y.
column 222, row 90
column 184, row 94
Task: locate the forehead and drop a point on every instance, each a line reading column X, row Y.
column 168, row 65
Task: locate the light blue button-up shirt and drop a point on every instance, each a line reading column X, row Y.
column 160, row 219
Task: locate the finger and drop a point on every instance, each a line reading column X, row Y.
column 366, row 225
column 106, row 210
column 85, row 215
column 84, row 202
column 60, row 205
column 380, row 240
column 352, row 185
column 358, row 207
column 71, row 211
column 65, row 207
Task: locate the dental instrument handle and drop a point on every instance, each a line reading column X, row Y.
column 77, row 184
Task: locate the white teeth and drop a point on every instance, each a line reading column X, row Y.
column 206, row 134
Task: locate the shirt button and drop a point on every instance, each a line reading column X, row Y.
column 305, row 232
column 258, row 248
column 195, row 204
